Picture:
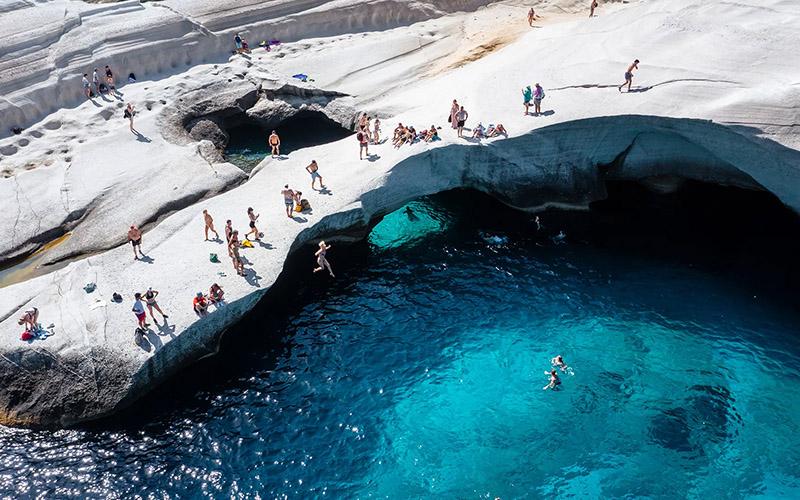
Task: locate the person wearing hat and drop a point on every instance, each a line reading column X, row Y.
column 200, row 304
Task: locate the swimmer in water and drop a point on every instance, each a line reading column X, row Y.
column 554, row 381
column 410, row 214
column 558, row 362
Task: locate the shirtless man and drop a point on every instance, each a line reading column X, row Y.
column 461, row 119
column 209, row 225
column 275, row 143
column 29, row 319
column 135, row 237
column 629, row 75
column 313, row 169
column 233, row 251
column 592, row 7
column 288, row 200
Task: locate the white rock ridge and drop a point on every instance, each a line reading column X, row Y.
column 699, row 111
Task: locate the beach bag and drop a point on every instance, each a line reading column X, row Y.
column 213, row 258
column 449, row 118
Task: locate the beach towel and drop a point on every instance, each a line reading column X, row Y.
column 301, row 77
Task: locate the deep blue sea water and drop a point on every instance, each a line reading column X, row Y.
column 418, row 373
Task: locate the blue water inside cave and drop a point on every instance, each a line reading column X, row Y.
column 418, row 371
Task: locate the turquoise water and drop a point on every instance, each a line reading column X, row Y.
column 418, row 373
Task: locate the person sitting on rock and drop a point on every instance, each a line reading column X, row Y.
column 30, row 319
column 432, row 134
column 200, row 304
column 479, row 132
column 216, row 294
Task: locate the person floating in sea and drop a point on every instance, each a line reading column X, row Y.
column 288, row 200
column 135, row 237
column 313, row 169
column 209, row 225
column 554, row 381
column 253, row 229
column 629, row 75
column 322, row 262
column 150, row 299
column 558, row 362
column 274, row 142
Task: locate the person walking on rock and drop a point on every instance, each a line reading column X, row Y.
column 313, row 169
column 233, row 251
column 275, row 143
column 629, row 75
column 135, row 237
column 363, row 144
column 129, row 112
column 453, row 112
column 253, row 229
column 87, row 89
column 461, row 119
column 138, row 310
column 110, row 79
column 209, row 225
column 322, row 262
column 150, row 298
column 538, row 95
column 288, row 200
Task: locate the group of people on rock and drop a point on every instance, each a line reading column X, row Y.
column 409, row 135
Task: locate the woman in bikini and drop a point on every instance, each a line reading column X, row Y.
column 150, row 299
column 253, row 229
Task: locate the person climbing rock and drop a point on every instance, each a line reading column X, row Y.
column 313, row 169
column 275, row 143
column 629, row 75
column 237, row 40
column 209, row 225
column 135, row 237
column 150, row 299
column 322, row 262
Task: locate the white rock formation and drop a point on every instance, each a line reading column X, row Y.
column 714, row 101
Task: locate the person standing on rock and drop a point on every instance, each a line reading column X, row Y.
column 253, row 229
column 138, row 310
column 233, row 251
column 363, row 144
column 592, row 7
column 376, row 135
column 110, row 79
column 527, row 96
column 275, row 143
column 461, row 119
column 96, row 81
column 228, row 230
column 135, row 237
column 150, row 298
column 453, row 112
column 30, row 319
column 538, row 95
column 322, row 262
column 288, row 200
column 629, row 75
column 87, row 88
column 531, row 17
column 209, row 225
column 313, row 169
column 129, row 112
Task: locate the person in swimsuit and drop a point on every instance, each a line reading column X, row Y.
column 592, row 7
column 129, row 112
column 253, row 229
column 313, row 169
column 150, row 299
column 233, row 251
column 228, row 230
column 554, row 381
column 215, row 294
column 376, row 135
column 275, row 143
column 363, row 144
column 558, row 362
column 288, row 200
column 96, row 81
column 200, row 304
column 135, row 237
column 453, row 112
column 110, row 78
column 30, row 319
column 461, row 118
column 138, row 310
column 322, row 262
column 87, row 88
column 629, row 75
column 209, row 225
column 531, row 17
column 363, row 122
